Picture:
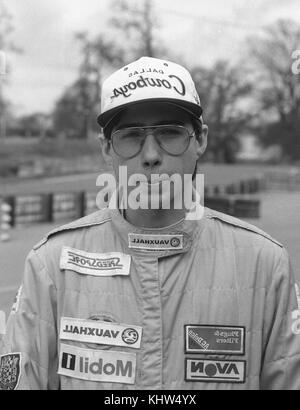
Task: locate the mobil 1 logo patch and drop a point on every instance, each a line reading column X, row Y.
column 211, row 339
column 97, row 365
column 217, row 371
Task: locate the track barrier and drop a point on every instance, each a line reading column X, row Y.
column 53, row 207
column 283, row 180
column 233, row 199
column 6, row 218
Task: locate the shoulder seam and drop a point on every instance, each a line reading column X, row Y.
column 65, row 228
column 43, row 266
column 245, row 226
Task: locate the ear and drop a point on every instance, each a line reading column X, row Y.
column 202, row 142
column 106, row 150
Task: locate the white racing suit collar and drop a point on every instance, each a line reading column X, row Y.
column 148, row 240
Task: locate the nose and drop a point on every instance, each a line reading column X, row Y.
column 151, row 153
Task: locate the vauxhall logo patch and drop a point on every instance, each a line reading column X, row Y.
column 10, row 371
column 211, row 339
column 218, row 371
column 97, row 365
column 107, row 333
column 96, row 264
column 155, row 242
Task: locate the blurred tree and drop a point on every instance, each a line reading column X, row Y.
column 137, row 22
column 278, row 86
column 223, row 92
column 34, row 125
column 5, row 30
column 6, row 46
column 76, row 111
column 71, row 113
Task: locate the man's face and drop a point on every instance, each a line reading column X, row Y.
column 152, row 159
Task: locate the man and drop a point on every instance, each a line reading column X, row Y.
column 148, row 297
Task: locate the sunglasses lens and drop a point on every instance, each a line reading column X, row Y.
column 173, row 139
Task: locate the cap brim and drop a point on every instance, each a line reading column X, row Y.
column 193, row 109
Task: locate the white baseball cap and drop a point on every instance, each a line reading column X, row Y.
column 148, row 79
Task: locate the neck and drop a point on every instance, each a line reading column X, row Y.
column 154, row 218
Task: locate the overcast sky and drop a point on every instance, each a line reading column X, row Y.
column 196, row 30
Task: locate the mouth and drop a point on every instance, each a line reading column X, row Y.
column 154, row 180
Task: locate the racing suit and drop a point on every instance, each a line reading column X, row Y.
column 208, row 304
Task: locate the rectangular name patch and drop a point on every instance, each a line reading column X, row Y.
column 107, row 333
column 217, row 371
column 155, row 242
column 95, row 264
column 97, row 365
column 210, row 339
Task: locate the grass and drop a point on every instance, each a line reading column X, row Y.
column 22, row 149
column 16, row 152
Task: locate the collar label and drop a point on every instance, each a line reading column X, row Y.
column 95, row 264
column 155, row 242
column 218, row 371
column 97, row 365
column 210, row 339
column 107, row 333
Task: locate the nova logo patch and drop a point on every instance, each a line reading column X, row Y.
column 218, row 371
column 100, row 332
column 97, row 365
column 10, row 371
column 96, row 264
column 210, row 339
column 155, row 242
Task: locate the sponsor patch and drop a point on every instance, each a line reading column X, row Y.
column 10, row 371
column 106, row 333
column 95, row 264
column 97, row 365
column 210, row 339
column 16, row 303
column 155, row 242
column 217, row 371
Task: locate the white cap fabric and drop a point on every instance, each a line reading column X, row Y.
column 148, row 79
